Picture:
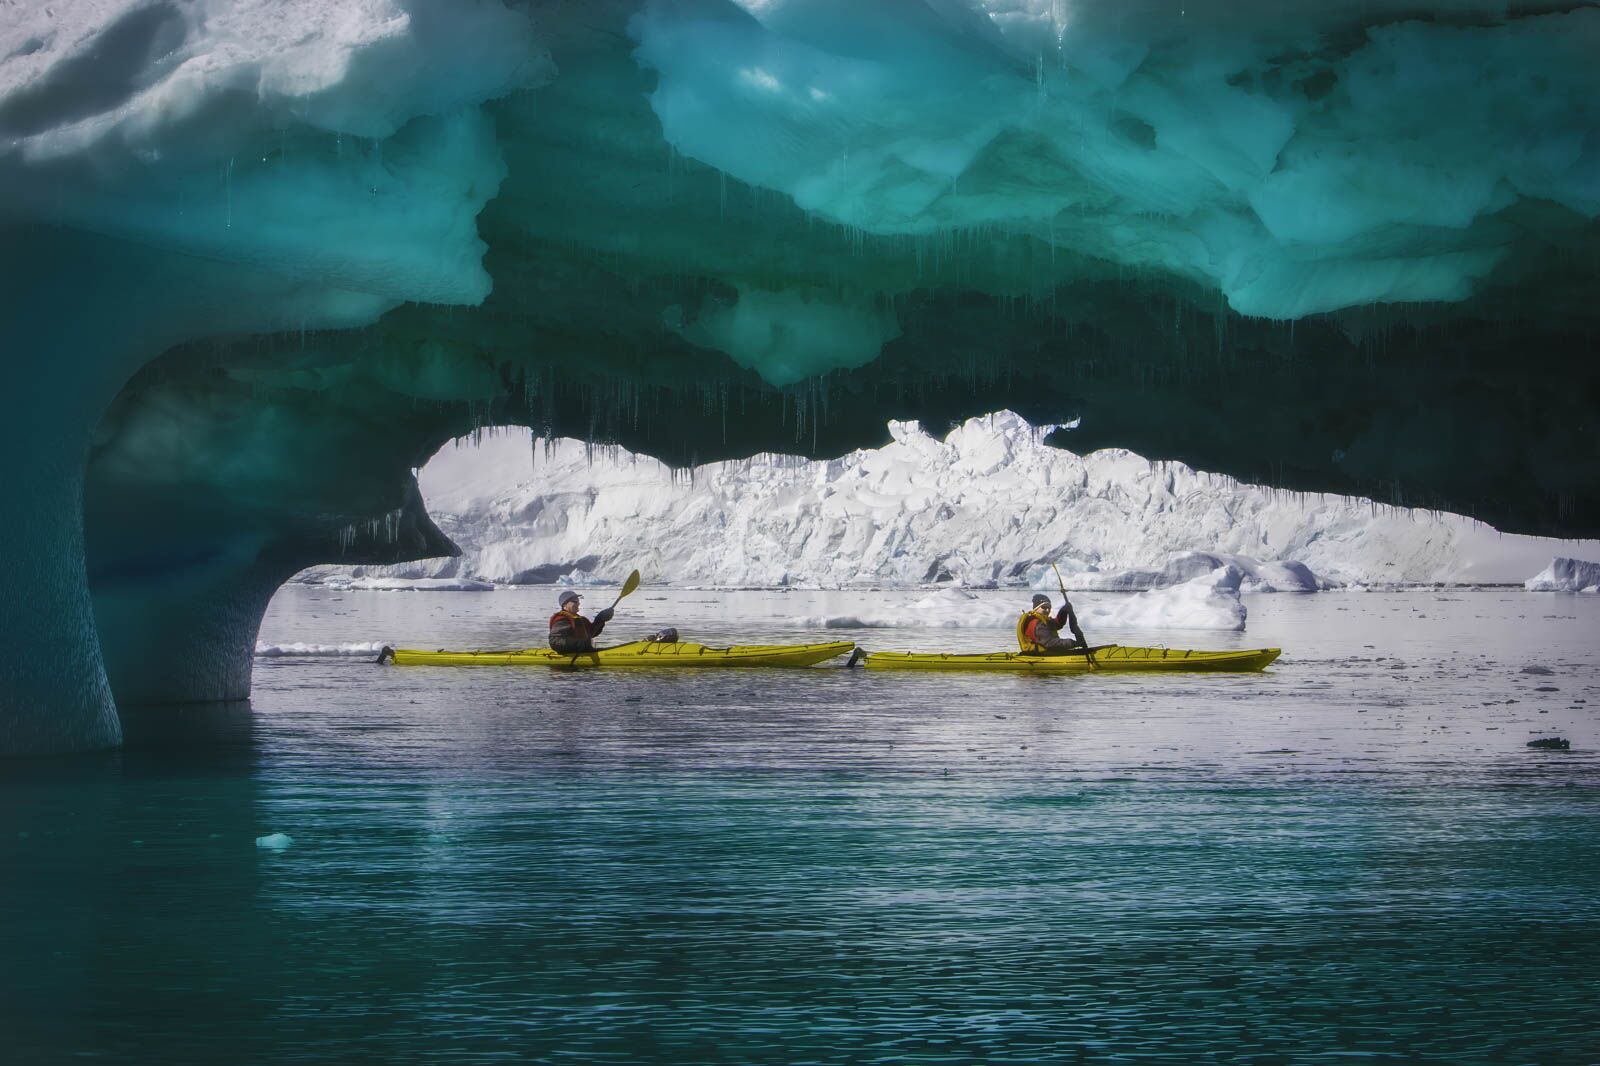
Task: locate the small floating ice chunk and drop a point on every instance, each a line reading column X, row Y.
column 1210, row 601
column 1256, row 576
column 416, row 584
column 1565, row 575
column 297, row 650
column 274, row 841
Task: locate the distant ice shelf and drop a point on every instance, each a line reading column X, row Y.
column 989, row 505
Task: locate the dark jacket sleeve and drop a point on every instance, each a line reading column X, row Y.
column 595, row 627
column 1061, row 615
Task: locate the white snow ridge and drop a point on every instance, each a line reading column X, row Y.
column 991, row 504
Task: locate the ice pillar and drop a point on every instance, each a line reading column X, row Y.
column 80, row 314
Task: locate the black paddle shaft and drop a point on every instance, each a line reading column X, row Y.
column 1072, row 618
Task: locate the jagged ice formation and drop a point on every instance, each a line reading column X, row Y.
column 258, row 260
column 990, row 504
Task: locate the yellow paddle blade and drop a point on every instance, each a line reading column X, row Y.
column 629, row 585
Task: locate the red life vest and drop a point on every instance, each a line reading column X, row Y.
column 580, row 624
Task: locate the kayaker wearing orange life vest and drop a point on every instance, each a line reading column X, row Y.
column 570, row 632
column 1039, row 634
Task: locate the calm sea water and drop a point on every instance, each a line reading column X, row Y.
column 1354, row 854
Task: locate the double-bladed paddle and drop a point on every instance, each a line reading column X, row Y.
column 628, row 588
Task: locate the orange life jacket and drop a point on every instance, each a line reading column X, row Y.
column 1026, row 632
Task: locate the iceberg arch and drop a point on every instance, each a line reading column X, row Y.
column 283, row 250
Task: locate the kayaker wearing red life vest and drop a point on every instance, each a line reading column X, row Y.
column 570, row 632
column 1039, row 634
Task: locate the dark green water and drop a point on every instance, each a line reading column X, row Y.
column 1346, row 857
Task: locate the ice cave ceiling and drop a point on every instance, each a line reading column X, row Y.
column 260, row 259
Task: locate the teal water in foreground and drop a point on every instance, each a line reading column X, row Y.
column 1352, row 855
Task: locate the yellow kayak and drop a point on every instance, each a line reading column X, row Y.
column 1112, row 658
column 638, row 654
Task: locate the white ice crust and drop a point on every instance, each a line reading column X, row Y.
column 338, row 142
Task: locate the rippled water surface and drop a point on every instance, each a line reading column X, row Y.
column 1353, row 854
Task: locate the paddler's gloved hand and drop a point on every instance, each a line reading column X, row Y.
column 603, row 616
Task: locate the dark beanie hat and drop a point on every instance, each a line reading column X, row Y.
column 1039, row 597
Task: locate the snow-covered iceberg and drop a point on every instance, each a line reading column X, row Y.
column 1566, row 575
column 989, row 504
